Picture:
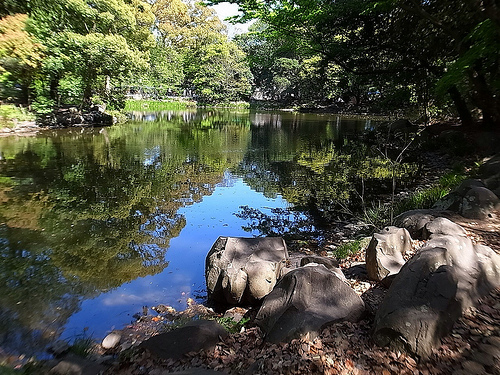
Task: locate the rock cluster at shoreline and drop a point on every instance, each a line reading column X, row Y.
column 75, row 117
column 61, row 118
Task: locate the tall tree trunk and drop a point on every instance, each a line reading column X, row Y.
column 87, row 95
column 485, row 99
column 54, row 89
column 461, row 106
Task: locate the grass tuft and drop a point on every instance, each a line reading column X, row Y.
column 83, row 346
column 350, row 248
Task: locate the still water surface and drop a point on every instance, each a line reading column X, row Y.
column 97, row 223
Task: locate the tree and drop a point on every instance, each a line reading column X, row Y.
column 20, row 54
column 212, row 66
column 95, row 55
column 186, row 25
column 218, row 72
column 410, row 44
column 88, row 41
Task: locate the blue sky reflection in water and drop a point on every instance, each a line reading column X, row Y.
column 95, row 224
column 184, row 276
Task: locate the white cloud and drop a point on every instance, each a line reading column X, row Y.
column 225, row 10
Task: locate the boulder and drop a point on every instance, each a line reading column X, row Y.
column 414, row 221
column 489, row 269
column 433, row 289
column 244, row 270
column 193, row 337
column 453, row 201
column 384, row 255
column 490, row 167
column 75, row 365
column 450, row 202
column 479, row 203
column 304, row 301
column 442, row 226
column 329, row 263
column 72, row 116
column 466, row 185
column 493, row 183
column 472, row 200
column 421, row 305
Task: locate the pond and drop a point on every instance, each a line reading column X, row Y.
column 97, row 223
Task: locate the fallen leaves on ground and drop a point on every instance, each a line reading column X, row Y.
column 342, row 348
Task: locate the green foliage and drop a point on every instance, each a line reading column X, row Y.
column 83, row 346
column 349, row 248
column 484, row 47
column 154, row 105
column 82, row 43
column 453, row 178
column 42, row 105
column 20, row 57
column 10, row 114
column 231, row 325
column 379, row 215
column 397, row 50
column 71, row 90
column 421, row 199
column 219, row 73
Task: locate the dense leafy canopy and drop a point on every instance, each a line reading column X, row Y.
column 84, row 52
column 402, row 50
column 20, row 55
column 379, row 55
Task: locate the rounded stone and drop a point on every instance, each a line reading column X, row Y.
column 111, row 340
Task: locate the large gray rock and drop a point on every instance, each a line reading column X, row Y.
column 489, row 265
column 466, row 185
column 330, row 263
column 442, row 226
column 432, row 291
column 479, row 203
column 472, row 200
column 421, row 305
column 244, row 270
column 493, row 183
column 193, row 337
column 384, row 255
column 304, row 301
column 414, row 221
column 491, row 167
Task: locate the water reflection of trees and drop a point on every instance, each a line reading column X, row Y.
column 86, row 213
column 36, row 297
column 324, row 171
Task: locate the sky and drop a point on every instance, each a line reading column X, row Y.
column 225, row 10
